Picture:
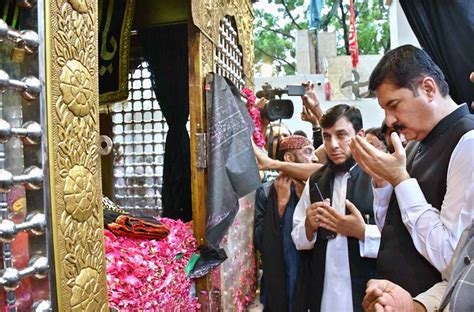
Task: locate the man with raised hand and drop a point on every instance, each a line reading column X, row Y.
column 424, row 196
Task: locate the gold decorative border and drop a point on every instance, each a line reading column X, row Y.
column 73, row 135
column 122, row 93
column 207, row 14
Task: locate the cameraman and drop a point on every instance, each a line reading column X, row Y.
column 312, row 113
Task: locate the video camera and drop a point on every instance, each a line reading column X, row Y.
column 275, row 108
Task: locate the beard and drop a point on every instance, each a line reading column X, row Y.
column 344, row 167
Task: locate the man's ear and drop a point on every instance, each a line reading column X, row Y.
column 361, row 132
column 429, row 87
column 288, row 157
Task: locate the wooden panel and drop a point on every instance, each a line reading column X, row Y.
column 203, row 32
column 198, row 125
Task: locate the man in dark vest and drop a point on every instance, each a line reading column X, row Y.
column 274, row 208
column 335, row 266
column 424, row 196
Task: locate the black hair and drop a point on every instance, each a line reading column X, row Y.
column 269, row 136
column 300, row 132
column 383, row 128
column 280, row 155
column 377, row 132
column 332, row 115
column 405, row 67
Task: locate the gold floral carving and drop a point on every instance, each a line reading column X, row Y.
column 74, row 162
column 79, row 5
column 76, row 88
column 86, row 283
column 79, row 193
column 206, row 16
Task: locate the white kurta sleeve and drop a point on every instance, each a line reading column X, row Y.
column 381, row 201
column 298, row 234
column 435, row 233
column 369, row 247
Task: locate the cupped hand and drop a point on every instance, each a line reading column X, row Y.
column 283, row 191
column 383, row 295
column 351, row 225
column 380, row 165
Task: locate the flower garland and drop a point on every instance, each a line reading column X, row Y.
column 254, row 112
column 148, row 275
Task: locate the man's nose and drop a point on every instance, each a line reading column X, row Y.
column 390, row 120
column 334, row 143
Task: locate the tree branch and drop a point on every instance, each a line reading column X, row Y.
column 361, row 8
column 344, row 27
column 289, row 14
column 327, row 19
column 386, row 46
column 279, row 32
column 276, row 58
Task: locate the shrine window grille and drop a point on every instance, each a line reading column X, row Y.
column 229, row 58
column 139, row 136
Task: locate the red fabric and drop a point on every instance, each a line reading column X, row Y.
column 353, row 45
column 138, row 228
column 327, row 91
column 294, row 142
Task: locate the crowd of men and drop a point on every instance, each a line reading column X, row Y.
column 369, row 222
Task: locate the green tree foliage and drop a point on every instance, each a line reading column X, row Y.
column 274, row 33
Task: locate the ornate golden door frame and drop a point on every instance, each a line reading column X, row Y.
column 71, row 54
column 203, row 37
column 207, row 14
column 71, row 80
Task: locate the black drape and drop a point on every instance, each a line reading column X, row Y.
column 166, row 50
column 232, row 169
column 445, row 30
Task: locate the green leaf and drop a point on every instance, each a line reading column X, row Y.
column 192, row 262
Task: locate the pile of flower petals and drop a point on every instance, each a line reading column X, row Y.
column 148, row 275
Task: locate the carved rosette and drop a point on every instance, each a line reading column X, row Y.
column 87, row 283
column 76, row 89
column 79, row 193
column 75, row 178
column 206, row 16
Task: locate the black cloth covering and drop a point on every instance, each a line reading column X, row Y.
column 232, row 169
column 115, row 23
column 166, row 51
column 445, row 30
column 271, row 247
column 279, row 257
